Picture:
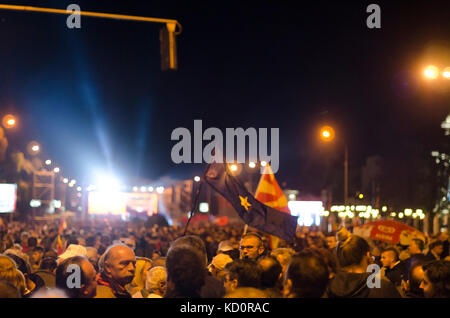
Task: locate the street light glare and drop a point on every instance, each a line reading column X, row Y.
column 9, row 121
column 56, row 170
column 35, row 148
column 252, row 165
column 196, row 178
column 327, row 133
column 446, row 73
column 233, row 167
column 48, row 162
column 160, row 189
column 263, row 163
column 431, row 72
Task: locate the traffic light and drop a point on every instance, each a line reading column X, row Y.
column 167, row 38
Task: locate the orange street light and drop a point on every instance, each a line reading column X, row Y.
column 327, row 133
column 431, row 72
column 446, row 73
column 9, row 121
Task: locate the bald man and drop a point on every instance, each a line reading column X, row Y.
column 117, row 268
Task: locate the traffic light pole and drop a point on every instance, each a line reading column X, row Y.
column 169, row 49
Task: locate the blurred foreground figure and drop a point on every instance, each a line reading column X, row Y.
column 117, row 267
column 306, row 276
column 50, row 293
column 411, row 287
column 185, row 273
column 351, row 279
column 212, row 287
column 436, row 279
column 8, row 290
column 76, row 277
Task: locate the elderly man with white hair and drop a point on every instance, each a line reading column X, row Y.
column 156, row 282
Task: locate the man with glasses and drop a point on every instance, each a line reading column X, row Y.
column 251, row 246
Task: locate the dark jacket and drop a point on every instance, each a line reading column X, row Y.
column 396, row 274
column 212, row 288
column 354, row 285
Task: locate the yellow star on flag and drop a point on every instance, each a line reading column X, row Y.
column 244, row 203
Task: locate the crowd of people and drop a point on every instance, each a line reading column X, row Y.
column 115, row 259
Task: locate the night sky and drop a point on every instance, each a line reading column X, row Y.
column 96, row 99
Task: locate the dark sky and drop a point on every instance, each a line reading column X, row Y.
column 95, row 98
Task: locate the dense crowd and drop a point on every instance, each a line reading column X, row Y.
column 115, row 259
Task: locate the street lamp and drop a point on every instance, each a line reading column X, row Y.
column 9, row 121
column 327, row 134
column 446, row 73
column 252, row 164
column 48, row 162
column 33, row 148
column 196, row 178
column 431, row 72
column 56, row 170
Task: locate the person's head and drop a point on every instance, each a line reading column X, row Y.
column 156, row 281
column 306, row 276
column 185, row 271
column 8, row 290
column 37, row 254
column 251, row 246
column 143, row 264
column 271, row 271
column 50, row 253
column 244, row 273
column 437, row 247
column 48, row 264
column 119, row 263
column 224, row 246
column 353, row 252
column 71, row 251
column 416, row 246
column 21, row 264
column 6, row 263
column 283, row 255
column 331, row 242
column 389, row 257
column 218, row 263
column 77, row 277
column 32, row 242
column 195, row 243
column 17, row 279
column 415, row 278
column 436, row 279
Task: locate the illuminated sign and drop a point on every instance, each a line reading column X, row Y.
column 120, row 203
column 308, row 212
column 8, row 197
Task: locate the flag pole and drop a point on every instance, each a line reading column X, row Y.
column 197, row 195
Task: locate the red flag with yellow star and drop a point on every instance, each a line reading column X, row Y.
column 270, row 193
